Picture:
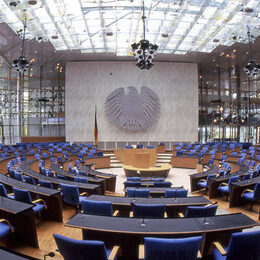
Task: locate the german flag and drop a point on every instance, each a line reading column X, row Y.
column 96, row 127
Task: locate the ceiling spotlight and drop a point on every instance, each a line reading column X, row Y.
column 215, row 40
column 55, row 37
column 13, row 3
column 109, row 33
column 32, row 2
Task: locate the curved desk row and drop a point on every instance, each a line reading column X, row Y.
column 83, row 187
column 50, row 196
column 162, row 170
column 173, row 205
column 129, row 233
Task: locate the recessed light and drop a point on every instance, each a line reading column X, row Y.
column 109, row 33
column 249, row 10
column 215, row 40
column 165, row 35
column 55, row 37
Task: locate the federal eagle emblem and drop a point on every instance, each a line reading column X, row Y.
column 132, row 111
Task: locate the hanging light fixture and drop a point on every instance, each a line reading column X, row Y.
column 252, row 68
column 21, row 64
column 144, row 51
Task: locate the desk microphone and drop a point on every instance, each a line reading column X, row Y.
column 207, row 211
column 179, row 188
column 51, row 254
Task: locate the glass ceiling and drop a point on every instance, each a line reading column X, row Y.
column 176, row 26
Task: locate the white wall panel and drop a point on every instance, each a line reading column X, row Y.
column 89, row 83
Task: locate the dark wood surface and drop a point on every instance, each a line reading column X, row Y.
column 129, row 233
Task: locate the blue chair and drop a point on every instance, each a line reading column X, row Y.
column 53, row 160
column 4, row 193
column 226, row 187
column 199, row 212
column 71, row 195
column 80, row 179
column 62, row 177
column 171, row 248
column 103, row 208
column 204, row 183
column 45, row 184
column 148, row 210
column 25, row 196
column 138, row 193
column 247, row 176
column 242, row 245
column 132, row 184
column 72, row 249
column 133, row 179
column 29, row 180
column 139, row 146
column 5, row 228
column 176, row 193
column 162, row 184
column 252, row 195
column 18, row 176
column 149, row 147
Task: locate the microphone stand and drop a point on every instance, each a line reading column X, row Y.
column 205, row 221
column 175, row 199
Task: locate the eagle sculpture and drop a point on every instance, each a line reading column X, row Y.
column 132, row 111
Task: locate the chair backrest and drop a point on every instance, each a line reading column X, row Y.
column 172, row 248
column 257, row 191
column 148, row 210
column 29, row 179
column 176, row 193
column 103, row 208
column 132, row 184
column 162, row 184
column 247, row 176
column 22, row 195
column 45, row 184
column 18, row 176
column 53, row 160
column 70, row 194
column 244, row 245
column 198, row 211
column 133, row 178
column 233, row 179
column 213, row 175
column 138, row 193
column 3, row 191
column 72, row 249
column 80, row 179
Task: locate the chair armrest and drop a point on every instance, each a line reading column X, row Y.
column 218, row 246
column 141, row 252
column 83, row 193
column 199, row 255
column 223, row 184
column 202, row 180
column 246, row 190
column 10, row 194
column 131, row 214
column 114, row 253
column 165, row 215
column 8, row 222
column 181, row 215
column 116, row 213
column 41, row 200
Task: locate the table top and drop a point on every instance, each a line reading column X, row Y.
column 194, row 200
column 24, row 167
column 13, row 206
column 161, row 226
column 97, row 173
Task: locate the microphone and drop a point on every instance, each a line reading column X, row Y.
column 51, row 254
column 174, row 197
column 205, row 221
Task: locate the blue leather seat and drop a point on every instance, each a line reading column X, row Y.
column 45, row 184
column 226, row 187
column 198, row 211
column 242, row 245
column 3, row 192
column 162, row 184
column 171, row 248
column 5, row 228
column 71, row 194
column 80, row 179
column 148, row 210
column 72, row 249
column 103, row 208
column 138, row 193
column 29, row 179
column 252, row 195
column 24, row 196
column 204, row 183
column 176, row 193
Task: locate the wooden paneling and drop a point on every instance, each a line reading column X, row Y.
column 40, row 139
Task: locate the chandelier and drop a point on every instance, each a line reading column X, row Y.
column 21, row 64
column 144, row 51
column 252, row 68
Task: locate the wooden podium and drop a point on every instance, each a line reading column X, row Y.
column 139, row 158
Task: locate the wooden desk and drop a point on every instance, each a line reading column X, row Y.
column 161, row 148
column 184, row 162
column 173, row 205
column 128, row 232
column 21, row 216
column 100, row 162
column 161, row 170
column 83, row 187
column 50, row 196
column 139, row 158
